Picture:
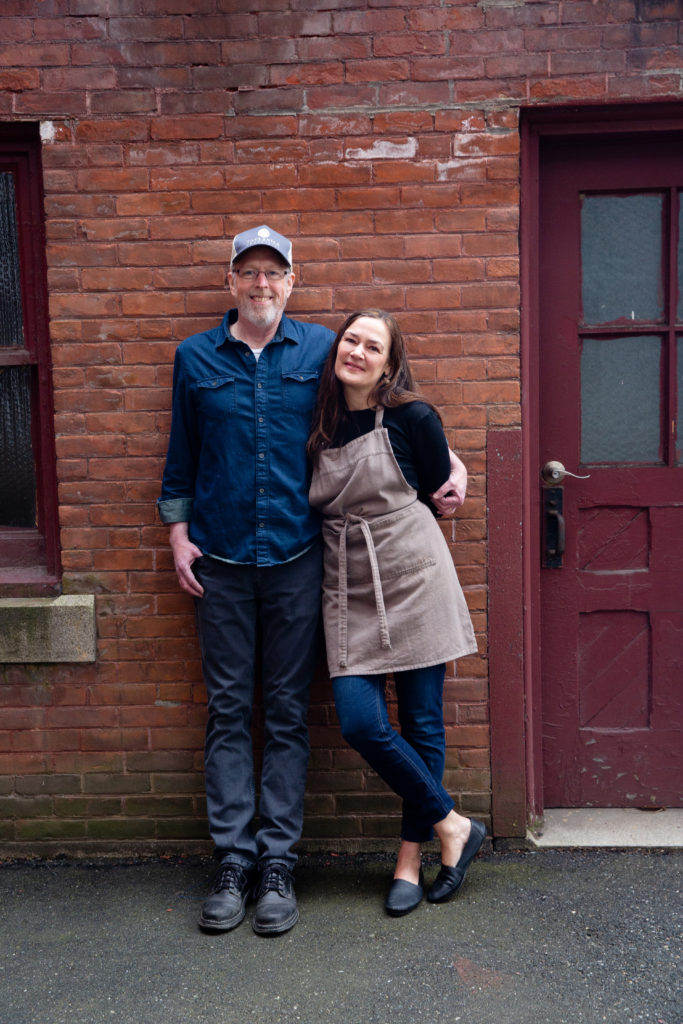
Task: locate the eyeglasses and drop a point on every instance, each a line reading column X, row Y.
column 251, row 275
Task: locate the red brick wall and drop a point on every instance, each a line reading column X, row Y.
column 383, row 138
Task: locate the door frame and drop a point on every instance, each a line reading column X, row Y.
column 513, row 486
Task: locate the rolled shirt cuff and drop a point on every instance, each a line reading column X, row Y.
column 175, row 510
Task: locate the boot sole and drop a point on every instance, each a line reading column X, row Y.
column 211, row 925
column 276, row 929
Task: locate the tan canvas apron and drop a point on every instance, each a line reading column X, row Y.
column 391, row 597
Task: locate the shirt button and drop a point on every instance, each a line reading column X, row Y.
column 262, row 490
column 261, row 455
column 260, row 419
column 259, row 385
column 261, row 525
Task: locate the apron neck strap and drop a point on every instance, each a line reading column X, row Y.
column 379, row 416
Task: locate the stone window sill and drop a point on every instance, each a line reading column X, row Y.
column 48, row 629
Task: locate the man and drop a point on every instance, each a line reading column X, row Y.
column 246, row 545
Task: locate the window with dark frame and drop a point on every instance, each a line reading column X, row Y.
column 29, row 551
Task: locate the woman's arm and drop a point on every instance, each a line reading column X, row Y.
column 428, row 447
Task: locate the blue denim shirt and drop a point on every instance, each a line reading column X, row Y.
column 236, row 468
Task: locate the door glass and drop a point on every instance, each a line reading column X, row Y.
column 620, row 394
column 679, row 416
column 680, row 257
column 621, row 256
column 11, row 319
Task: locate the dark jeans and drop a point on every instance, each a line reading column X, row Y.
column 268, row 614
column 410, row 762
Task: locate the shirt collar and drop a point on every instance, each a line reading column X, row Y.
column 284, row 330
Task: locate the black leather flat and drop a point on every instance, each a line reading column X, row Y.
column 404, row 896
column 449, row 879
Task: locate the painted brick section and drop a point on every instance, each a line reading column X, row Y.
column 384, row 141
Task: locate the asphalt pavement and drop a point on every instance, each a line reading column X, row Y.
column 535, row 937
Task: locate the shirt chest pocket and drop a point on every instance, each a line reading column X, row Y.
column 299, row 389
column 216, row 396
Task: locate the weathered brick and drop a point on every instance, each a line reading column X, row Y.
column 334, row 827
column 16, row 30
column 17, row 79
column 49, row 830
column 183, row 128
column 584, row 88
column 127, row 179
column 75, row 807
column 27, row 55
column 120, row 829
column 369, row 23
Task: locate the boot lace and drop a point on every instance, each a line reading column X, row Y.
column 276, row 878
column 230, row 877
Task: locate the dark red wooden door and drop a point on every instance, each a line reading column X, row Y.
column 610, row 400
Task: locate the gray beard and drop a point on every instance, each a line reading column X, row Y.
column 265, row 319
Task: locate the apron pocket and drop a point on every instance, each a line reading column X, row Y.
column 409, row 570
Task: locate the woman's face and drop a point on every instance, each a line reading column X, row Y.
column 362, row 357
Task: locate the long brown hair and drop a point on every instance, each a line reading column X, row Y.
column 395, row 387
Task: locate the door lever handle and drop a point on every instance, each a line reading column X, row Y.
column 554, row 473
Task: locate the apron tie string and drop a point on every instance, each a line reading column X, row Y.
column 385, row 640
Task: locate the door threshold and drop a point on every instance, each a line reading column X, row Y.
column 612, row 827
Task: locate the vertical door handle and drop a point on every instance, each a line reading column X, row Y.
column 559, row 531
column 555, row 534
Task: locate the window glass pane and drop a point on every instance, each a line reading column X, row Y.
column 11, row 319
column 621, row 258
column 620, row 393
column 17, row 476
column 679, row 416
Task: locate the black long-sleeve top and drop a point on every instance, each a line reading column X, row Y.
column 417, row 441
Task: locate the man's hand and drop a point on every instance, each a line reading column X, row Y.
column 184, row 554
column 451, row 494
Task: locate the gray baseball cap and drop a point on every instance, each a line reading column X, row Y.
column 262, row 235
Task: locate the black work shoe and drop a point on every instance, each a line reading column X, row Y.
column 404, row 896
column 276, row 909
column 226, row 904
column 449, row 879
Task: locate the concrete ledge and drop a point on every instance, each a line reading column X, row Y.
column 48, row 629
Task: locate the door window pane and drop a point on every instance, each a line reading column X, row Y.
column 679, row 415
column 621, row 257
column 620, row 395
column 18, row 488
column 680, row 257
column 11, row 319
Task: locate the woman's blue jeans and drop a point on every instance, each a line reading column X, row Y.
column 410, row 762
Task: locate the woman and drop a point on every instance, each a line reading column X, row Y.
column 391, row 598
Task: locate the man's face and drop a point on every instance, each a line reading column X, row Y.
column 258, row 289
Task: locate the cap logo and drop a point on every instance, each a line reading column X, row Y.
column 262, row 235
